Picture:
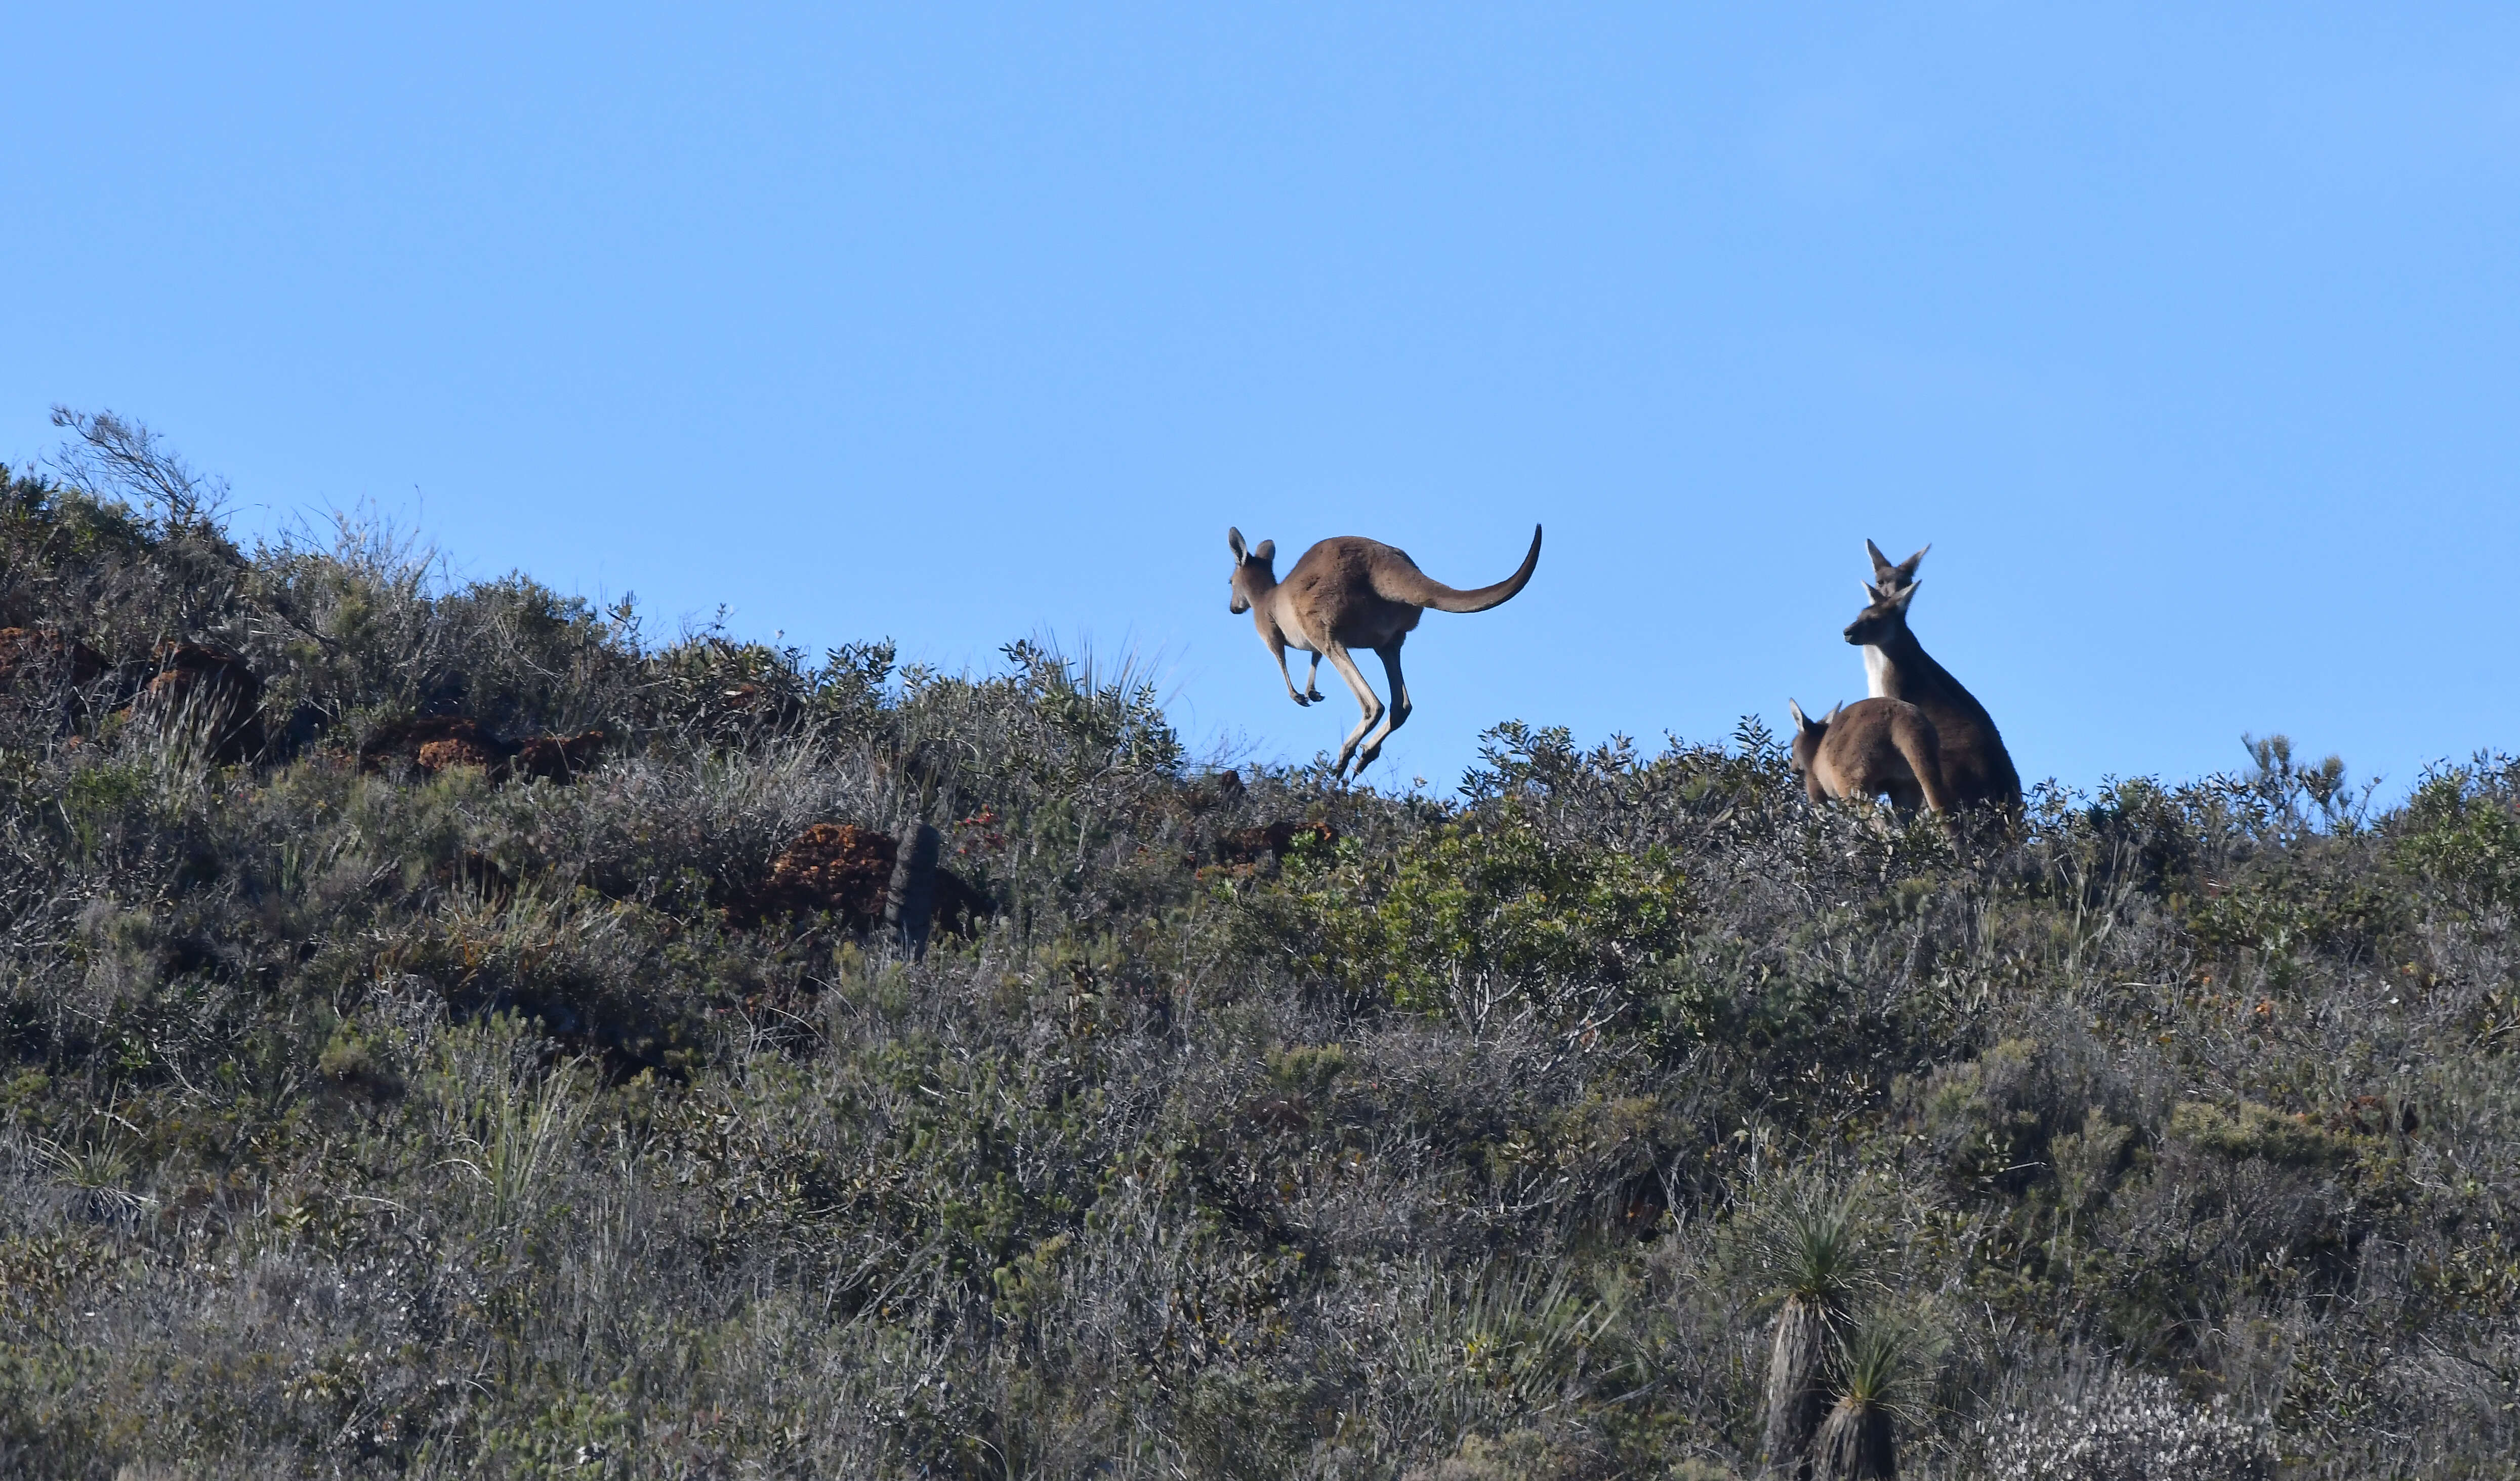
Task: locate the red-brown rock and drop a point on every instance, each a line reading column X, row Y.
column 834, row 867
column 848, row 871
column 434, row 743
column 431, row 742
column 41, row 654
column 435, row 756
column 556, row 758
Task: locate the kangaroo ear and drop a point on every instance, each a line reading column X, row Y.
column 1800, row 721
column 1833, row 712
column 1906, row 595
column 1233, row 541
column 1872, row 593
column 1265, row 550
column 1889, row 574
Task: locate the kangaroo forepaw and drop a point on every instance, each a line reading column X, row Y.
column 1308, row 696
column 1299, row 698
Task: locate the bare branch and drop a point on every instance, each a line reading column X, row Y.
column 117, row 458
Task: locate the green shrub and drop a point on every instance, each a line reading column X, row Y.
column 1488, row 918
column 2253, row 1130
column 2460, row 832
column 1988, row 1121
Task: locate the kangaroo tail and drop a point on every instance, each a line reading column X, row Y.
column 1413, row 587
column 1922, row 746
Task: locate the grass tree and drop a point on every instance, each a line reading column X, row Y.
column 1814, row 1253
column 1877, row 1363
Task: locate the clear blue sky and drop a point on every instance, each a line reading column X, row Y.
column 2187, row 337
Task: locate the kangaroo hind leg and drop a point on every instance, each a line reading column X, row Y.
column 1921, row 748
column 1365, row 700
column 1398, row 715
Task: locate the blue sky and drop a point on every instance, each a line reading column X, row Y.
column 2187, row 338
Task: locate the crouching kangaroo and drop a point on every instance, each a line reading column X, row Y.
column 1976, row 768
column 1347, row 593
column 1871, row 748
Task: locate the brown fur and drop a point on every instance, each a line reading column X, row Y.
column 1871, row 748
column 1893, row 577
column 1347, row 592
column 1976, row 768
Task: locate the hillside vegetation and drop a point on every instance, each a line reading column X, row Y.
column 372, row 1111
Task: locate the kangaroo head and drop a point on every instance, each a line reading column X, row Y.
column 1892, row 578
column 1885, row 616
column 1808, row 735
column 1254, row 570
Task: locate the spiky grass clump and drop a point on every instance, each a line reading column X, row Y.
column 1813, row 1249
column 1813, row 1246
column 1881, row 1361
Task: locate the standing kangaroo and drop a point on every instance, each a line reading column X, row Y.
column 1976, row 768
column 1871, row 748
column 1350, row 591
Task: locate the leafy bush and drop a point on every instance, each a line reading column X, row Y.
column 2258, row 1131
column 1488, row 918
column 2460, row 832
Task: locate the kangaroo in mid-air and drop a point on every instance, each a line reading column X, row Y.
column 1349, row 592
column 1976, row 768
column 1871, row 748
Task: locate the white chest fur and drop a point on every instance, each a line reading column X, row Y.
column 1876, row 672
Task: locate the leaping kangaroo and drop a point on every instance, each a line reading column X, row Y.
column 1976, row 768
column 1349, row 592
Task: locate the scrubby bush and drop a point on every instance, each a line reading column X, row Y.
column 363, row 1117
column 2129, row 1429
